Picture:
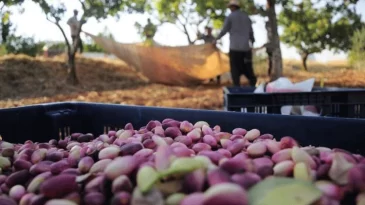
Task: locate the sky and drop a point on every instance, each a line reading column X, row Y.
column 33, row 23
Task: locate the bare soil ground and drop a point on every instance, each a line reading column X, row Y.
column 26, row 81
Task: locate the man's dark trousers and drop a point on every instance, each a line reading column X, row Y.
column 241, row 63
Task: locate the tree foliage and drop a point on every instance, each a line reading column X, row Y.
column 191, row 14
column 7, row 3
column 6, row 26
column 311, row 28
column 22, row 45
column 99, row 9
column 308, row 27
column 305, row 28
column 343, row 28
column 357, row 52
column 213, row 10
column 11, row 43
column 187, row 15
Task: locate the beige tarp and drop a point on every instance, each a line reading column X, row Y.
column 183, row 65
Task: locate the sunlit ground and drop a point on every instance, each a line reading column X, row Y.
column 25, row 81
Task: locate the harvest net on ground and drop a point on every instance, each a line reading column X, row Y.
column 183, row 65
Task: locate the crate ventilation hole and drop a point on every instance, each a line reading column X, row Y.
column 63, row 132
column 66, row 131
column 262, row 110
column 107, row 129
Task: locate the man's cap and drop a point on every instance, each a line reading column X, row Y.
column 233, row 3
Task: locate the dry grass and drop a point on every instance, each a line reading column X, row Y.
column 25, row 81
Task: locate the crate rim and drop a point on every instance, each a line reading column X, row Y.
column 226, row 91
column 88, row 117
column 201, row 111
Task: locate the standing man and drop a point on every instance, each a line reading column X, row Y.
column 149, row 32
column 208, row 38
column 239, row 26
column 74, row 26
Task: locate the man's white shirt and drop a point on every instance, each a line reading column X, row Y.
column 74, row 24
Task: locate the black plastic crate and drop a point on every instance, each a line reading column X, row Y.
column 331, row 102
column 48, row 121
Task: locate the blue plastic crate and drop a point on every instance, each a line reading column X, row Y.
column 331, row 102
column 48, row 121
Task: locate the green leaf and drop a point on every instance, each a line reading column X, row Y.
column 175, row 198
column 146, row 178
column 283, row 191
column 182, row 166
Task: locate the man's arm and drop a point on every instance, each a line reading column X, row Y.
column 70, row 21
column 252, row 36
column 226, row 28
column 198, row 35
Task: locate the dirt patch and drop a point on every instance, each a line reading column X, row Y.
column 25, row 81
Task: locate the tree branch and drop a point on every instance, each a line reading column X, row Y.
column 262, row 12
column 163, row 22
column 50, row 20
column 185, row 30
column 83, row 5
column 65, row 37
column 181, row 24
column 179, row 19
column 63, row 33
column 198, row 24
column 202, row 20
column 1, row 8
column 187, row 34
column 187, row 16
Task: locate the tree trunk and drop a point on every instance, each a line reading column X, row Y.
column 189, row 40
column 188, row 37
column 71, row 53
column 185, row 30
column 277, row 61
column 304, row 61
column 72, row 75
